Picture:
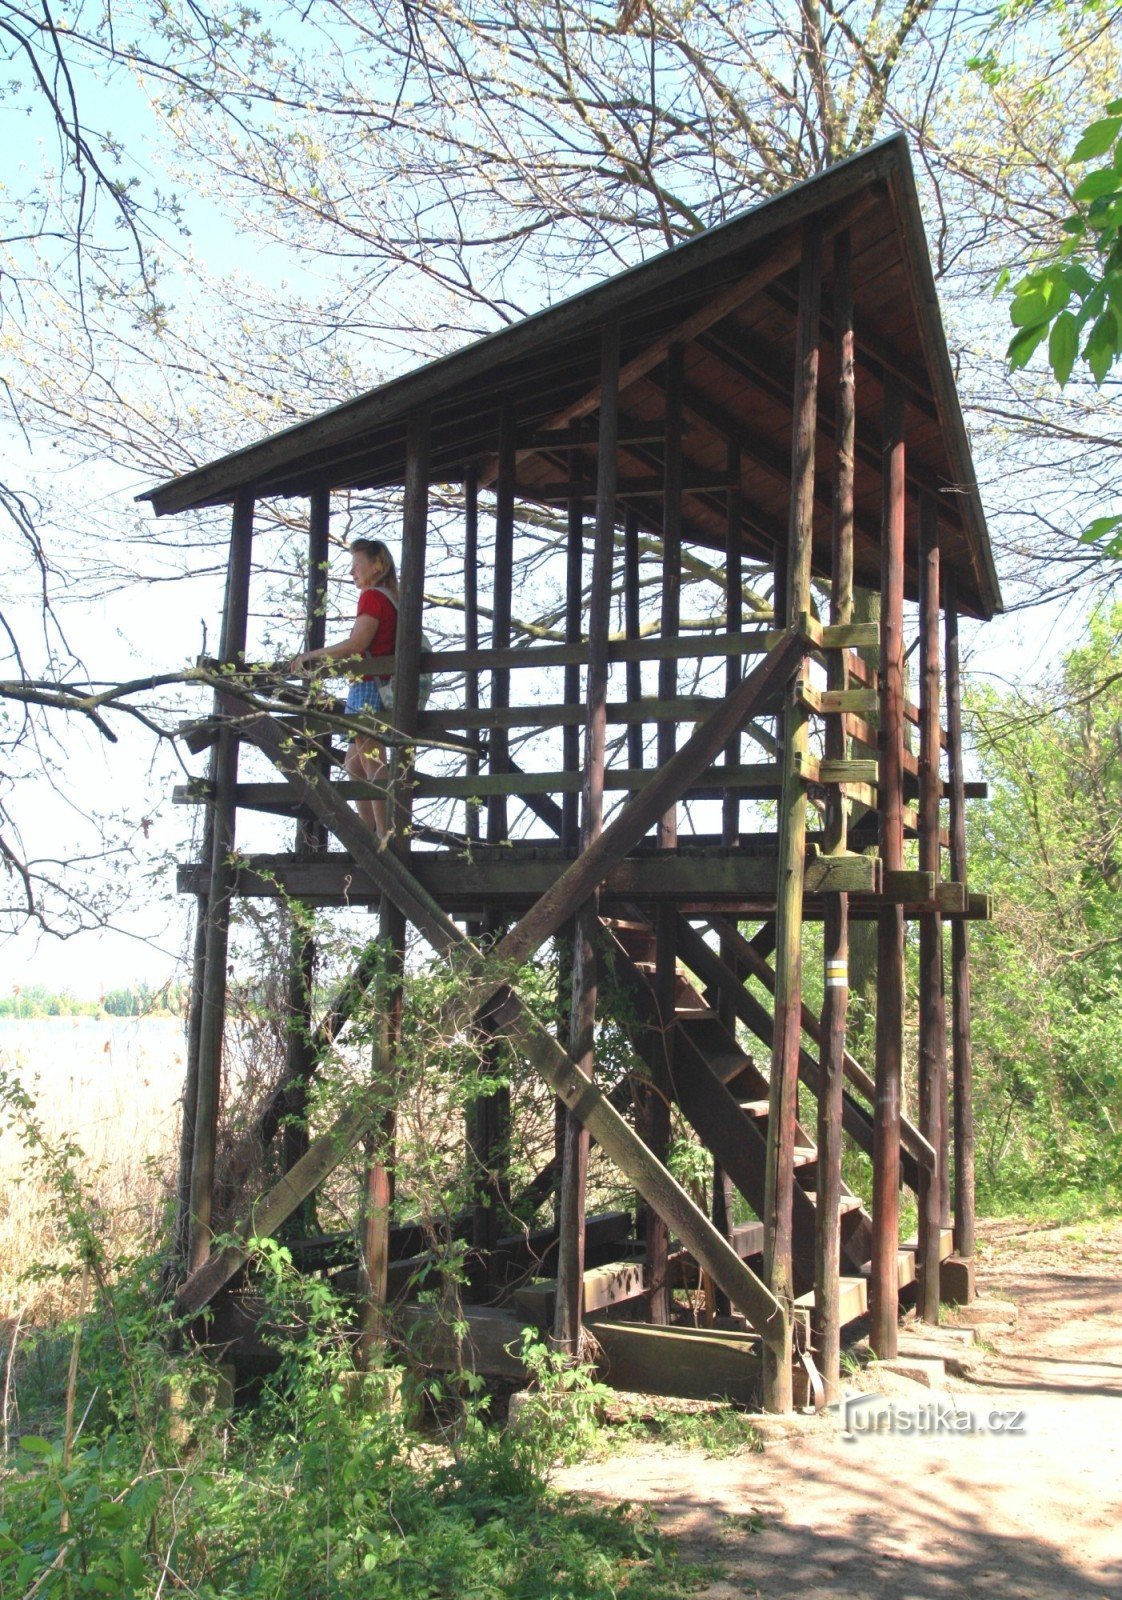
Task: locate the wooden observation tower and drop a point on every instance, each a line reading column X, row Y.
column 778, row 391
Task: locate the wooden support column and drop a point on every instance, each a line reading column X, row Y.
column 574, row 619
column 471, row 630
column 671, row 567
column 378, row 1174
column 655, row 1110
column 723, row 1191
column 570, row 1249
column 631, row 623
column 960, row 949
column 783, row 1095
column 311, row 839
column 212, row 1000
column 932, row 1013
column 734, row 621
column 835, row 933
column 491, row 1112
column 570, row 803
column 501, row 616
column 884, row 1291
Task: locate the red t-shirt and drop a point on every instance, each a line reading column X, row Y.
column 372, row 603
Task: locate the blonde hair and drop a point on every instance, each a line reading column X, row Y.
column 375, row 550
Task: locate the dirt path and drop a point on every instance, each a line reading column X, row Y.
column 1001, row 1515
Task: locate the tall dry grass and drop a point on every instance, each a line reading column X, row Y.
column 111, row 1087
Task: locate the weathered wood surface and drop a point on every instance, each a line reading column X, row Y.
column 826, row 1319
column 265, row 1216
column 212, row 997
column 778, row 1265
column 514, row 879
column 568, row 1311
column 692, row 1363
column 962, row 1054
column 532, row 1039
column 883, row 1288
column 607, row 849
column 932, row 1015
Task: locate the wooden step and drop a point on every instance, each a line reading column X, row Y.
column 755, row 1108
column 846, row 1202
column 853, row 1300
column 946, row 1244
column 805, row 1155
column 905, row 1268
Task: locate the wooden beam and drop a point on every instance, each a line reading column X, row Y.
column 963, row 1064
column 471, row 635
column 528, row 1036
column 883, row 1285
column 635, row 818
column 783, row 1114
column 734, row 620
column 781, row 256
column 826, row 1317
column 212, row 1009
column 932, row 1015
column 585, row 984
column 502, row 580
column 265, row 1216
column 671, row 567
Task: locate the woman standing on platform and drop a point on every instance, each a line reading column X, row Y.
column 374, row 634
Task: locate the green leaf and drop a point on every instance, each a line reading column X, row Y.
column 1097, row 184
column 36, row 1446
column 1114, row 109
column 1078, row 279
column 1097, row 139
column 1063, row 346
column 1100, row 529
column 1022, row 345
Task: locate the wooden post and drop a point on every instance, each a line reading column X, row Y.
column 194, row 1028
column 835, row 934
column 378, row 1175
column 654, row 1108
column 501, row 616
column 574, row 617
column 960, row 949
column 932, row 1014
column 730, row 807
column 491, row 1113
column 671, row 567
column 783, row 1096
column 570, row 1248
column 311, row 838
column 471, row 629
column 634, row 669
column 884, row 1284
column 734, row 619
column 212, row 1008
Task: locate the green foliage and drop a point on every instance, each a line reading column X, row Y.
column 1073, row 298
column 135, row 1484
column 1047, row 982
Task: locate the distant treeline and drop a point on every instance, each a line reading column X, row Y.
column 137, row 1000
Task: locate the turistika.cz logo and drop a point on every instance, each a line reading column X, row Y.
column 865, row 1414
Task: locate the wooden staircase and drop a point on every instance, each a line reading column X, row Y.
column 724, row 1096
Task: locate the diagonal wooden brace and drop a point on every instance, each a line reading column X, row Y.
column 578, row 882
column 508, row 1015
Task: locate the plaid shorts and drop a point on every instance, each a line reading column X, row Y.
column 364, row 695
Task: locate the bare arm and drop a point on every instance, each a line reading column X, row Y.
column 361, row 637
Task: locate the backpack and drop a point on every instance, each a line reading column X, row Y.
column 385, row 685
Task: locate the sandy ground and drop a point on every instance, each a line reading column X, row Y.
column 1000, row 1515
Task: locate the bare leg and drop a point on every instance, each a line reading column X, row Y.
column 376, row 770
column 355, row 767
